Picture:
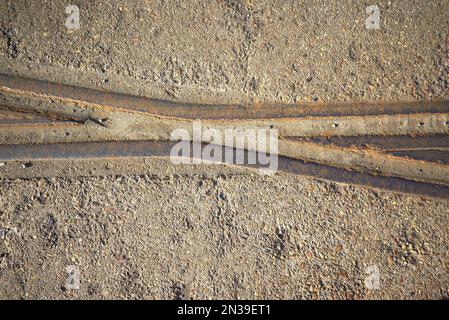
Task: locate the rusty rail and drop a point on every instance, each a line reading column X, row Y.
column 205, row 111
column 396, row 146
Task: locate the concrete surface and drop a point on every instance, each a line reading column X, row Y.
column 140, row 236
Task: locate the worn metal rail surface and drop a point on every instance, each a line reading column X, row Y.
column 397, row 146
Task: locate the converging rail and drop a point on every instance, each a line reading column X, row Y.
column 400, row 146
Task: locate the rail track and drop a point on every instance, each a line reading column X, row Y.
column 396, row 146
